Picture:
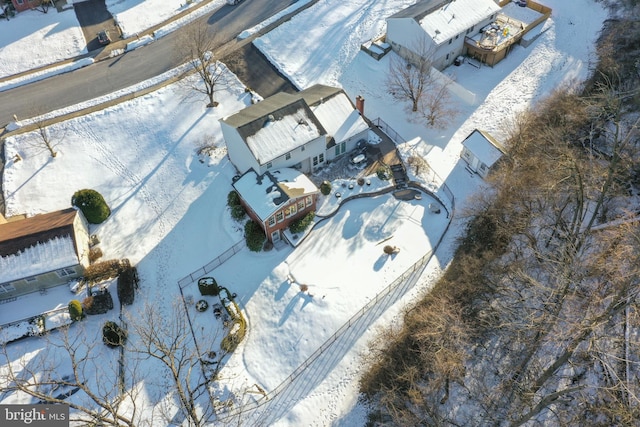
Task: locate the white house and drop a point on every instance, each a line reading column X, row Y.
column 276, row 198
column 481, row 151
column 438, row 28
column 301, row 131
column 42, row 251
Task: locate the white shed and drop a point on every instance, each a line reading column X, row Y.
column 481, row 151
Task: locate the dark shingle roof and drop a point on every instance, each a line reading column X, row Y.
column 251, row 119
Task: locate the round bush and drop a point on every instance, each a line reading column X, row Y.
column 237, row 212
column 75, row 310
column 388, row 249
column 113, row 335
column 325, row 188
column 92, row 205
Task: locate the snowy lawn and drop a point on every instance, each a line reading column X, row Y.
column 34, row 39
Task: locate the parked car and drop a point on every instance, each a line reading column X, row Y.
column 233, row 2
column 103, row 37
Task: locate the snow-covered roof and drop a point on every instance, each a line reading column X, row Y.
column 265, row 194
column 484, row 147
column 284, row 122
column 339, row 118
column 443, row 20
column 457, row 16
column 283, row 133
column 43, row 257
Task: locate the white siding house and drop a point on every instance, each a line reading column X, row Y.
column 481, row 151
column 42, row 252
column 438, row 27
column 302, row 130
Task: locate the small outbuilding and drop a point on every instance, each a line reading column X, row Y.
column 481, row 151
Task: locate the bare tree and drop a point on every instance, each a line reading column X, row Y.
column 200, row 45
column 415, row 80
column 409, row 80
column 71, row 370
column 168, row 339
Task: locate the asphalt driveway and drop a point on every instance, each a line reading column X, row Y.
column 252, row 68
column 94, row 17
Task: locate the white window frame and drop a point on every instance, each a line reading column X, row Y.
column 290, row 210
column 280, row 216
column 271, row 221
column 308, row 200
column 64, row 272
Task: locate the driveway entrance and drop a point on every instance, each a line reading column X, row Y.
column 94, row 17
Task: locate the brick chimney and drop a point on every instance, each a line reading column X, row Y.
column 360, row 104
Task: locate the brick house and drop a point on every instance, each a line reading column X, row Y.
column 276, row 198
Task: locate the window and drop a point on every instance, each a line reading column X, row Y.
column 321, row 158
column 31, row 279
column 457, row 35
column 302, row 148
column 272, row 221
column 341, row 148
column 450, row 41
column 290, row 210
column 20, row 2
column 301, row 205
column 287, row 156
column 447, row 56
column 308, row 200
column 66, row 272
column 279, row 216
column 318, row 159
column 269, row 165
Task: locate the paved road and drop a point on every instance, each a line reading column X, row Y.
column 113, row 74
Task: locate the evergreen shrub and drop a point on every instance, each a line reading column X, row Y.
column 92, row 205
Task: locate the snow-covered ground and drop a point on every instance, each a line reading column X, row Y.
column 34, row 39
column 169, row 215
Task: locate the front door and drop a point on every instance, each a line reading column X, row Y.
column 275, row 236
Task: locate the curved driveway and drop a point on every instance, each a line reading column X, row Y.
column 110, row 75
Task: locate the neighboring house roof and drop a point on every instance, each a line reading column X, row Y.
column 265, row 194
column 484, row 146
column 38, row 244
column 443, row 20
column 283, row 122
